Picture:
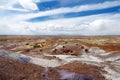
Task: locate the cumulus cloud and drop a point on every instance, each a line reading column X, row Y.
column 13, row 27
column 101, row 24
column 104, row 27
column 90, row 25
column 29, row 4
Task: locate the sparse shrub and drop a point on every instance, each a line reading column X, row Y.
column 36, row 46
column 63, row 46
column 3, row 39
column 54, row 50
column 77, row 44
column 41, row 50
column 66, row 51
column 71, row 51
column 27, row 43
column 66, row 42
column 82, row 47
column 86, row 50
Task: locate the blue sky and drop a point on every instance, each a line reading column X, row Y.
column 60, row 17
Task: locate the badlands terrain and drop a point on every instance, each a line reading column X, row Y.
column 59, row 58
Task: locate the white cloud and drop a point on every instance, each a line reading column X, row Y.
column 104, row 27
column 11, row 27
column 29, row 4
column 88, row 25
column 11, row 8
column 73, row 9
column 7, row 2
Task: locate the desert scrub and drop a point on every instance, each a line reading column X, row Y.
column 36, row 46
column 3, row 39
column 27, row 44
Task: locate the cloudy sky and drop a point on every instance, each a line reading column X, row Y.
column 59, row 17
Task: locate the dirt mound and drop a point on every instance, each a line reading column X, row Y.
column 82, row 68
column 15, row 70
column 69, row 49
column 74, row 71
column 71, row 58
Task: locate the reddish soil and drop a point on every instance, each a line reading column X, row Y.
column 15, row 70
column 110, row 48
column 77, row 67
column 107, row 48
column 83, row 68
column 69, row 49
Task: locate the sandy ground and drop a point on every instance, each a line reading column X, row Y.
column 60, row 58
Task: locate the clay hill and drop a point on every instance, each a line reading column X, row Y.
column 59, row 58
